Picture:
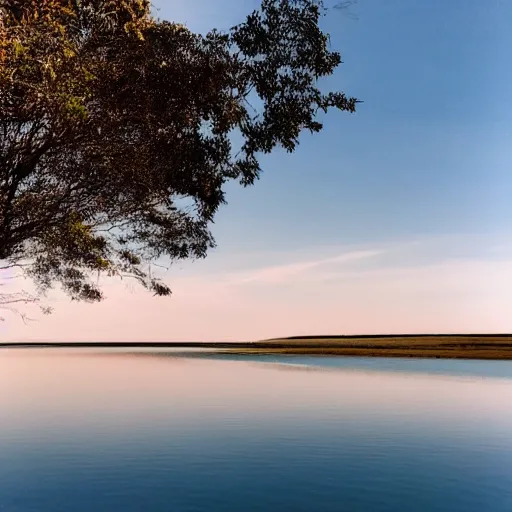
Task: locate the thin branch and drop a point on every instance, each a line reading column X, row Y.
column 14, row 265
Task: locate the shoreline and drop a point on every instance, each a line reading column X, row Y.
column 441, row 346
column 413, row 353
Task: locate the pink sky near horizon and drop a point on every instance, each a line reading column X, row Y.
column 342, row 291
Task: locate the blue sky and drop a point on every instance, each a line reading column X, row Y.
column 426, row 153
column 395, row 219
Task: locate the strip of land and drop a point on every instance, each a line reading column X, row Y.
column 459, row 346
column 478, row 346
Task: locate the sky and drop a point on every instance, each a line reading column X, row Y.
column 394, row 219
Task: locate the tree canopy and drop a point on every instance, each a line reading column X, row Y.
column 118, row 131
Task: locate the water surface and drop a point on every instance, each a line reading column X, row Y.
column 158, row 431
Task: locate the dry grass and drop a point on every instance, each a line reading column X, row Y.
column 461, row 347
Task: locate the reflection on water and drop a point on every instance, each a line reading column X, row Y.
column 83, row 430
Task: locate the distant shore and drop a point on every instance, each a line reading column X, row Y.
column 455, row 346
column 477, row 346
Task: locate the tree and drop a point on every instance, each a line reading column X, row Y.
column 118, row 131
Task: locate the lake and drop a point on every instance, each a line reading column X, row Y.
column 162, row 431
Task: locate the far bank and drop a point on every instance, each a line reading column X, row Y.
column 485, row 346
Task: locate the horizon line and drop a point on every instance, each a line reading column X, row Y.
column 227, row 344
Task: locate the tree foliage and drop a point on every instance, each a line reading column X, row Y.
column 111, row 120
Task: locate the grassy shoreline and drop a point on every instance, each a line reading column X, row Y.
column 446, row 346
column 423, row 346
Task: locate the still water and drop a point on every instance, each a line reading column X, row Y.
column 154, row 431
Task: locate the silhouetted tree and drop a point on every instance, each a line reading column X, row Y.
column 118, row 131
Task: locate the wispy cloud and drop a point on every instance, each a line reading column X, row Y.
column 282, row 273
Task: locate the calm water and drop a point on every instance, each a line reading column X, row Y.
column 113, row 431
